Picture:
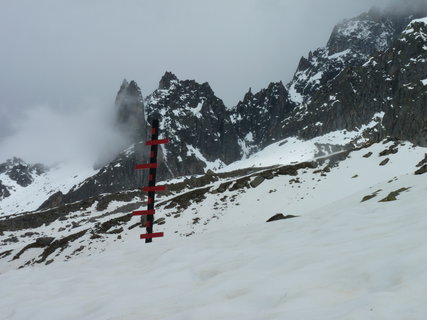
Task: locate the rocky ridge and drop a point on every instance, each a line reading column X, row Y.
column 351, row 44
column 202, row 136
column 196, row 121
column 385, row 95
column 330, row 91
column 368, row 80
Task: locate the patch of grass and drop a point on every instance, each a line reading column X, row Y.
column 392, row 195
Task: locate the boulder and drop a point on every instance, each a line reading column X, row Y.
column 280, row 216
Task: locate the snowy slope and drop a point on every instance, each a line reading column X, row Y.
column 331, row 266
column 340, row 258
column 58, row 178
column 295, row 150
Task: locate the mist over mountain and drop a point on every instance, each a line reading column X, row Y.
column 405, row 7
column 371, row 65
column 82, row 71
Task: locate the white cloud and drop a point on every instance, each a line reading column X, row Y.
column 48, row 135
column 55, row 53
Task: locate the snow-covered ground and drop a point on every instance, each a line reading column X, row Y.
column 294, row 150
column 340, row 258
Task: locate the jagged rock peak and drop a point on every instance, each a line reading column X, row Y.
column 134, row 86
column 352, row 43
column 257, row 116
column 248, row 95
column 167, row 80
column 124, row 85
column 129, row 92
column 130, row 110
column 276, row 87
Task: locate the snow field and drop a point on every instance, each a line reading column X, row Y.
column 339, row 264
column 339, row 259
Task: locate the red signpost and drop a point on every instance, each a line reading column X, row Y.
column 151, row 188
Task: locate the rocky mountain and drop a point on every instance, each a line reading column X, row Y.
column 351, row 44
column 329, row 182
column 385, row 95
column 367, row 81
column 310, row 104
column 336, row 88
column 24, row 187
column 196, row 121
column 405, row 67
column 16, row 173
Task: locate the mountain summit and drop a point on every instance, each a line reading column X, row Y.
column 167, row 80
column 130, row 117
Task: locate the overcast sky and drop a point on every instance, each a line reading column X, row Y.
column 63, row 61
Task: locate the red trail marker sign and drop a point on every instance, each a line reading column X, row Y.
column 151, row 188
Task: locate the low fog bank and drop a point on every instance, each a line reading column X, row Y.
column 49, row 135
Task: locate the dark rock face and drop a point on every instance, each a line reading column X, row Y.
column 167, row 80
column 258, row 116
column 20, row 174
column 336, row 88
column 386, row 92
column 4, row 192
column 406, row 66
column 197, row 123
column 53, row 201
column 421, row 170
column 351, row 44
column 369, row 32
column 44, row 241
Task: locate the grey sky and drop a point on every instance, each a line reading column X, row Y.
column 66, row 57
